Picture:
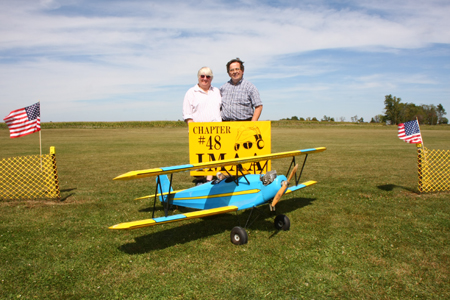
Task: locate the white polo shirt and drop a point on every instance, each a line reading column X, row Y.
column 201, row 106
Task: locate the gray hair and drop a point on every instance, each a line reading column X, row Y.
column 205, row 71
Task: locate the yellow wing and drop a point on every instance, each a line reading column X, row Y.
column 175, row 218
column 214, row 164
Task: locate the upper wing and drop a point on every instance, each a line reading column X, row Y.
column 214, row 164
column 174, row 218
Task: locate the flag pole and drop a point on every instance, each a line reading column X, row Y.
column 418, row 125
column 422, row 163
column 40, row 148
column 40, row 140
column 421, row 144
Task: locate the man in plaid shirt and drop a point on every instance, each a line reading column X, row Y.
column 240, row 98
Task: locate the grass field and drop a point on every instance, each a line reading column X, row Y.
column 363, row 232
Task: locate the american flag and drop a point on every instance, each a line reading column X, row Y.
column 410, row 132
column 24, row 121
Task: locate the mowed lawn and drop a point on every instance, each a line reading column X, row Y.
column 362, row 232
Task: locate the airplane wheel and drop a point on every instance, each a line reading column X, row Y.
column 282, row 222
column 239, row 236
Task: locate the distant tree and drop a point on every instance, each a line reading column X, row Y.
column 327, row 119
column 361, row 120
column 440, row 113
column 392, row 109
column 354, row 118
column 342, row 119
column 294, row 118
column 430, row 114
column 377, row 119
column 302, row 119
column 444, row 120
column 308, row 119
column 314, row 119
column 410, row 111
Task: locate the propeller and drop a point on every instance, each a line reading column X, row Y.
column 284, row 186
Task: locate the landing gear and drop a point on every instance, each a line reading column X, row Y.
column 239, row 236
column 282, row 222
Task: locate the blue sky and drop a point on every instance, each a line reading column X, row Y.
column 98, row 60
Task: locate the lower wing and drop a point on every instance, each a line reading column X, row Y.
column 300, row 186
column 174, row 218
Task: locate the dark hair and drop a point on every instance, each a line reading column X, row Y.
column 233, row 61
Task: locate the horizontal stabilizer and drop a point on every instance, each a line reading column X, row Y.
column 300, row 186
column 174, row 218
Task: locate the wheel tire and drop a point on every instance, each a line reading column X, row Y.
column 239, row 236
column 282, row 222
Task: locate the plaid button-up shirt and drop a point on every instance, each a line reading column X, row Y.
column 239, row 101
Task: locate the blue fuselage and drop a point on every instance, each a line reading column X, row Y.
column 227, row 192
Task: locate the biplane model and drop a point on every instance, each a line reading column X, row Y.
column 232, row 192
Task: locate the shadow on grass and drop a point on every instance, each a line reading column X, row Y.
column 66, row 196
column 391, row 187
column 187, row 232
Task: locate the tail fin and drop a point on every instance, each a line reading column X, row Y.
column 164, row 188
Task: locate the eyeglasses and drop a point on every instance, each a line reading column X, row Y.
column 237, row 69
column 207, row 76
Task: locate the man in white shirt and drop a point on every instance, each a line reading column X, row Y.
column 202, row 101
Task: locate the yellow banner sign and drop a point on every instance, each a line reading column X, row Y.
column 214, row 141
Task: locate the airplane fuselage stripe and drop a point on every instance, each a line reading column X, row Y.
column 253, row 191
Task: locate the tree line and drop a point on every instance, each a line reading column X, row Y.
column 396, row 112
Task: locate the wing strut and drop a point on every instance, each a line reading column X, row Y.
column 236, row 178
column 297, row 179
column 239, row 170
column 158, row 183
column 166, row 206
column 164, row 203
column 301, row 171
column 264, row 167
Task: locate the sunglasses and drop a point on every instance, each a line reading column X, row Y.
column 207, row 76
